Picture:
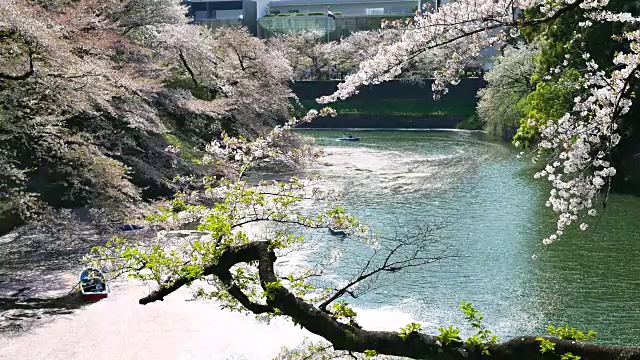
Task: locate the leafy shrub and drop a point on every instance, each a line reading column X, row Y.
column 449, row 336
column 564, row 332
column 315, row 13
column 338, row 13
column 283, row 15
column 409, row 329
column 301, row 14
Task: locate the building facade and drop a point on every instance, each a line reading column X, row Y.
column 344, row 7
column 291, row 16
column 224, row 12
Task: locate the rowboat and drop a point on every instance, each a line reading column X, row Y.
column 337, row 232
column 130, row 227
column 349, row 138
column 93, row 284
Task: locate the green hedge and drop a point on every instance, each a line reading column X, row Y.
column 338, row 13
column 301, row 14
column 283, row 14
column 315, row 13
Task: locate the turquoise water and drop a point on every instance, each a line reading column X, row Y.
column 495, row 221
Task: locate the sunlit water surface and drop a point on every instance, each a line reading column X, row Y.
column 496, row 219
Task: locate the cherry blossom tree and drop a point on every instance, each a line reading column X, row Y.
column 89, row 91
column 310, row 56
column 507, row 83
column 577, row 143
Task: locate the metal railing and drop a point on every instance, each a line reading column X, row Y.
column 219, row 22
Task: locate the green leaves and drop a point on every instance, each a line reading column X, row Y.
column 548, row 102
column 341, row 310
column 409, row 329
column 564, row 332
column 483, row 336
column 569, row 356
column 449, row 336
column 299, row 286
column 472, row 315
column 370, row 353
column 270, row 289
column 546, row 345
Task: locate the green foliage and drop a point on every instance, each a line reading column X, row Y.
column 569, row 356
column 342, row 310
column 483, row 336
column 270, row 288
column 546, row 345
column 315, row 13
column 338, row 13
column 299, row 286
column 508, row 82
column 370, row 353
column 409, row 329
column 284, row 14
column 548, row 102
column 471, row 123
column 449, row 336
column 564, row 332
column 473, row 316
column 301, row 14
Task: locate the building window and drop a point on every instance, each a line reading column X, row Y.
column 293, row 11
column 375, row 11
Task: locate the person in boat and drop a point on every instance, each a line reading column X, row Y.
column 93, row 282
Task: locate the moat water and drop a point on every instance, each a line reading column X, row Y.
column 495, row 220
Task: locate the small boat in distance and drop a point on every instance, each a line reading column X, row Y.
column 349, row 137
column 337, row 232
column 130, row 227
column 93, row 284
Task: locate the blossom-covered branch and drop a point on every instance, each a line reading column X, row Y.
column 580, row 141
